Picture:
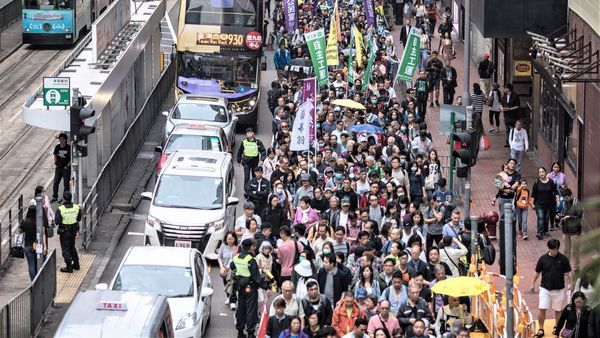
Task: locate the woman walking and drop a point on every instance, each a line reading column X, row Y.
column 493, row 102
column 28, row 228
column 574, row 318
column 544, row 198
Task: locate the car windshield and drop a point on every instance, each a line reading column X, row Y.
column 200, row 112
column 194, row 192
column 48, row 5
column 234, row 74
column 193, row 142
column 169, row 281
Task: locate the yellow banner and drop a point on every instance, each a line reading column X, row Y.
column 332, row 41
column 359, row 45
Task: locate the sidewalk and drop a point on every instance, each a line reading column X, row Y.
column 10, row 39
column 482, row 187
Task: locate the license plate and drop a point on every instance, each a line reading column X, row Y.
column 183, row 244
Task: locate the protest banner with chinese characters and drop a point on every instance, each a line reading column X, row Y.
column 332, row 41
column 316, row 47
column 372, row 49
column 359, row 41
column 410, row 57
column 290, row 13
column 351, row 57
column 301, row 129
column 309, row 92
column 370, row 13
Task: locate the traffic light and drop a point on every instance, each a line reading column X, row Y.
column 466, row 146
column 79, row 131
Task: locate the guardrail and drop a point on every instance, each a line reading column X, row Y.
column 9, row 13
column 114, row 170
column 8, row 224
column 24, row 314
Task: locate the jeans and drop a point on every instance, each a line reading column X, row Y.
column 65, row 175
column 543, row 215
column 494, row 115
column 449, row 96
column 517, row 155
column 522, row 218
column 424, row 57
column 31, row 260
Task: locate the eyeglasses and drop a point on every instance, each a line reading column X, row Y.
column 284, row 127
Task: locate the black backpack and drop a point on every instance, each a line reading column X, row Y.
column 488, row 252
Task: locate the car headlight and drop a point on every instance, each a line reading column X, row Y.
column 154, row 222
column 218, row 225
column 252, row 102
column 186, row 321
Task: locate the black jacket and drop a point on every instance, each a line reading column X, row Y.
column 276, row 217
column 594, row 322
column 568, row 320
column 485, row 69
column 340, row 283
column 262, row 189
column 407, row 311
column 404, row 34
column 324, row 309
column 449, row 83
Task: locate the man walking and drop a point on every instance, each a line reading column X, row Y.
column 281, row 57
column 554, row 267
column 434, row 68
column 251, row 153
column 67, row 218
column 509, row 105
column 449, row 83
column 257, row 189
column 485, row 70
column 519, row 143
column 62, row 162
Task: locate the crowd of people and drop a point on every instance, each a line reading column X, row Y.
column 354, row 232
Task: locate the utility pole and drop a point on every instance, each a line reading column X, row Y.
column 74, row 153
column 467, row 54
column 469, row 118
column 39, row 226
column 451, row 171
column 474, row 239
column 509, row 266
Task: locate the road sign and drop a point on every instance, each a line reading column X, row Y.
column 57, row 91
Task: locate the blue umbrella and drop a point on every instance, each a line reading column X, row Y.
column 366, row 128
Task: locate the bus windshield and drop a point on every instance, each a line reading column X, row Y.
column 47, row 4
column 237, row 13
column 231, row 72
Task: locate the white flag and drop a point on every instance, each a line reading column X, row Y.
column 301, row 129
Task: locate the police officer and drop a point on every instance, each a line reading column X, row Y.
column 257, row 189
column 67, row 217
column 246, row 283
column 250, row 154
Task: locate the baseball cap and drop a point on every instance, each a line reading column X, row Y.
column 345, row 202
column 259, row 168
column 249, row 130
column 305, row 177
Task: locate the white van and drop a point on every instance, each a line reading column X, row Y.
column 123, row 314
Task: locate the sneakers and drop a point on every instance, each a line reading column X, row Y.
column 520, row 234
column 525, row 237
column 552, row 227
column 538, row 236
column 227, row 301
column 232, row 306
column 54, row 199
column 66, row 270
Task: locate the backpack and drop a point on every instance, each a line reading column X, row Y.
column 421, row 87
column 490, row 101
column 522, row 199
column 488, row 252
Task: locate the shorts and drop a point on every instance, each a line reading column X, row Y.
column 552, row 299
column 435, row 84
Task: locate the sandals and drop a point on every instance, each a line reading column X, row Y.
column 539, row 334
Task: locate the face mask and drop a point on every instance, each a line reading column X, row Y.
column 279, row 191
column 402, row 160
column 339, row 176
column 413, row 169
column 326, row 251
column 374, row 101
column 402, row 205
column 301, row 258
column 403, row 129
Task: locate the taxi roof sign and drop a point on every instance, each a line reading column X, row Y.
column 196, row 126
column 111, row 306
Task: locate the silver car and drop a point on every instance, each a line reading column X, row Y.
column 202, row 109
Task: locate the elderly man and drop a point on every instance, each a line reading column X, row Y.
column 414, row 308
column 383, row 320
column 293, row 306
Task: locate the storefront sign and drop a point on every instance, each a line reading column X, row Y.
column 522, row 68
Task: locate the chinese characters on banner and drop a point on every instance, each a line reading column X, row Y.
column 309, row 90
column 290, row 8
column 316, row 46
column 410, row 56
column 332, row 41
column 359, row 41
column 301, row 130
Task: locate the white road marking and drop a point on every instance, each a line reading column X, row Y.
column 131, row 233
column 223, row 314
column 138, row 217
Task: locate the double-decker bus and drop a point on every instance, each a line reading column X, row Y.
column 58, row 22
column 219, row 49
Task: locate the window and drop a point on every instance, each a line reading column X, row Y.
column 237, row 13
column 550, row 111
column 571, row 141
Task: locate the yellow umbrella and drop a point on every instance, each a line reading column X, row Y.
column 348, row 103
column 460, row 286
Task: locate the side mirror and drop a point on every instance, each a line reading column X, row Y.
column 101, row 286
column 165, row 113
column 147, row 195
column 232, row 201
column 158, row 149
column 206, row 292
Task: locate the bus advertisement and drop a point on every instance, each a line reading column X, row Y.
column 219, row 50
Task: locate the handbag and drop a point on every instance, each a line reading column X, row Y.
column 484, row 143
column 49, row 231
column 566, row 333
column 429, row 183
column 16, row 251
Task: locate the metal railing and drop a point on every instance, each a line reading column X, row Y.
column 24, row 314
column 9, row 13
column 8, row 224
column 114, row 170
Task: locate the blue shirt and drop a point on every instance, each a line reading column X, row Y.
column 390, row 294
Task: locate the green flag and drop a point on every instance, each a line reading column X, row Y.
column 368, row 71
column 350, row 58
column 316, row 47
column 410, row 57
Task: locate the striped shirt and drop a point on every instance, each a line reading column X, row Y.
column 477, row 102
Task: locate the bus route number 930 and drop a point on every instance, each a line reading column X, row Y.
column 220, row 39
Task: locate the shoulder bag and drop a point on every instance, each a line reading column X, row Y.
column 16, row 251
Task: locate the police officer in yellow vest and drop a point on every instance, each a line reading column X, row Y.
column 251, row 153
column 67, row 217
column 246, row 283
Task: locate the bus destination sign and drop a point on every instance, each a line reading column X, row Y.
column 220, row 39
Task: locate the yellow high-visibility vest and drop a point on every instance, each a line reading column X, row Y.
column 242, row 265
column 250, row 148
column 69, row 215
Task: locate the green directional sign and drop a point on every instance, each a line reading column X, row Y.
column 57, row 91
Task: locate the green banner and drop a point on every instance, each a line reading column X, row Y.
column 369, row 69
column 316, row 47
column 410, row 57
